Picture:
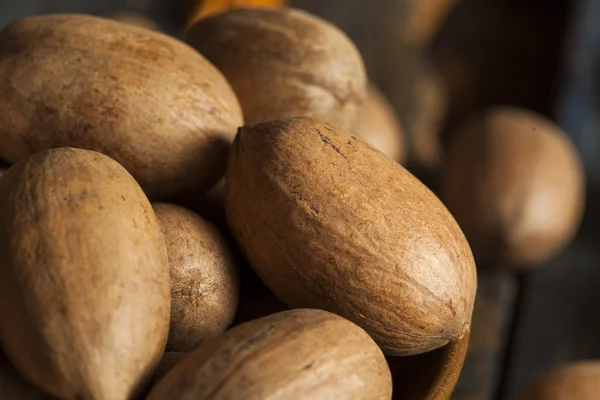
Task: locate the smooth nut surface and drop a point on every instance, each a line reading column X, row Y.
column 515, row 184
column 84, row 276
column 298, row 354
column 284, row 63
column 148, row 101
column 328, row 222
column 204, row 278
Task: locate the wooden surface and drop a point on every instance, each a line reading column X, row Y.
column 492, row 319
column 522, row 325
column 428, row 376
column 558, row 318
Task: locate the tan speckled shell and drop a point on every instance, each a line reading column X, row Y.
column 515, row 184
column 328, row 222
column 147, row 100
column 378, row 125
column 298, row 354
column 204, row 278
column 575, row 381
column 284, row 63
column 84, row 276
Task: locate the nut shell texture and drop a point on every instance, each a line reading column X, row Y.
column 298, row 354
column 84, row 276
column 328, row 222
column 204, row 278
column 284, row 63
column 146, row 100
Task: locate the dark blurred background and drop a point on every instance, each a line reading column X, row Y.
column 538, row 54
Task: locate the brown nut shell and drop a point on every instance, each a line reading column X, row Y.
column 298, row 354
column 579, row 380
column 84, row 276
column 284, row 63
column 204, row 278
column 378, row 125
column 515, row 184
column 328, row 222
column 146, row 100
